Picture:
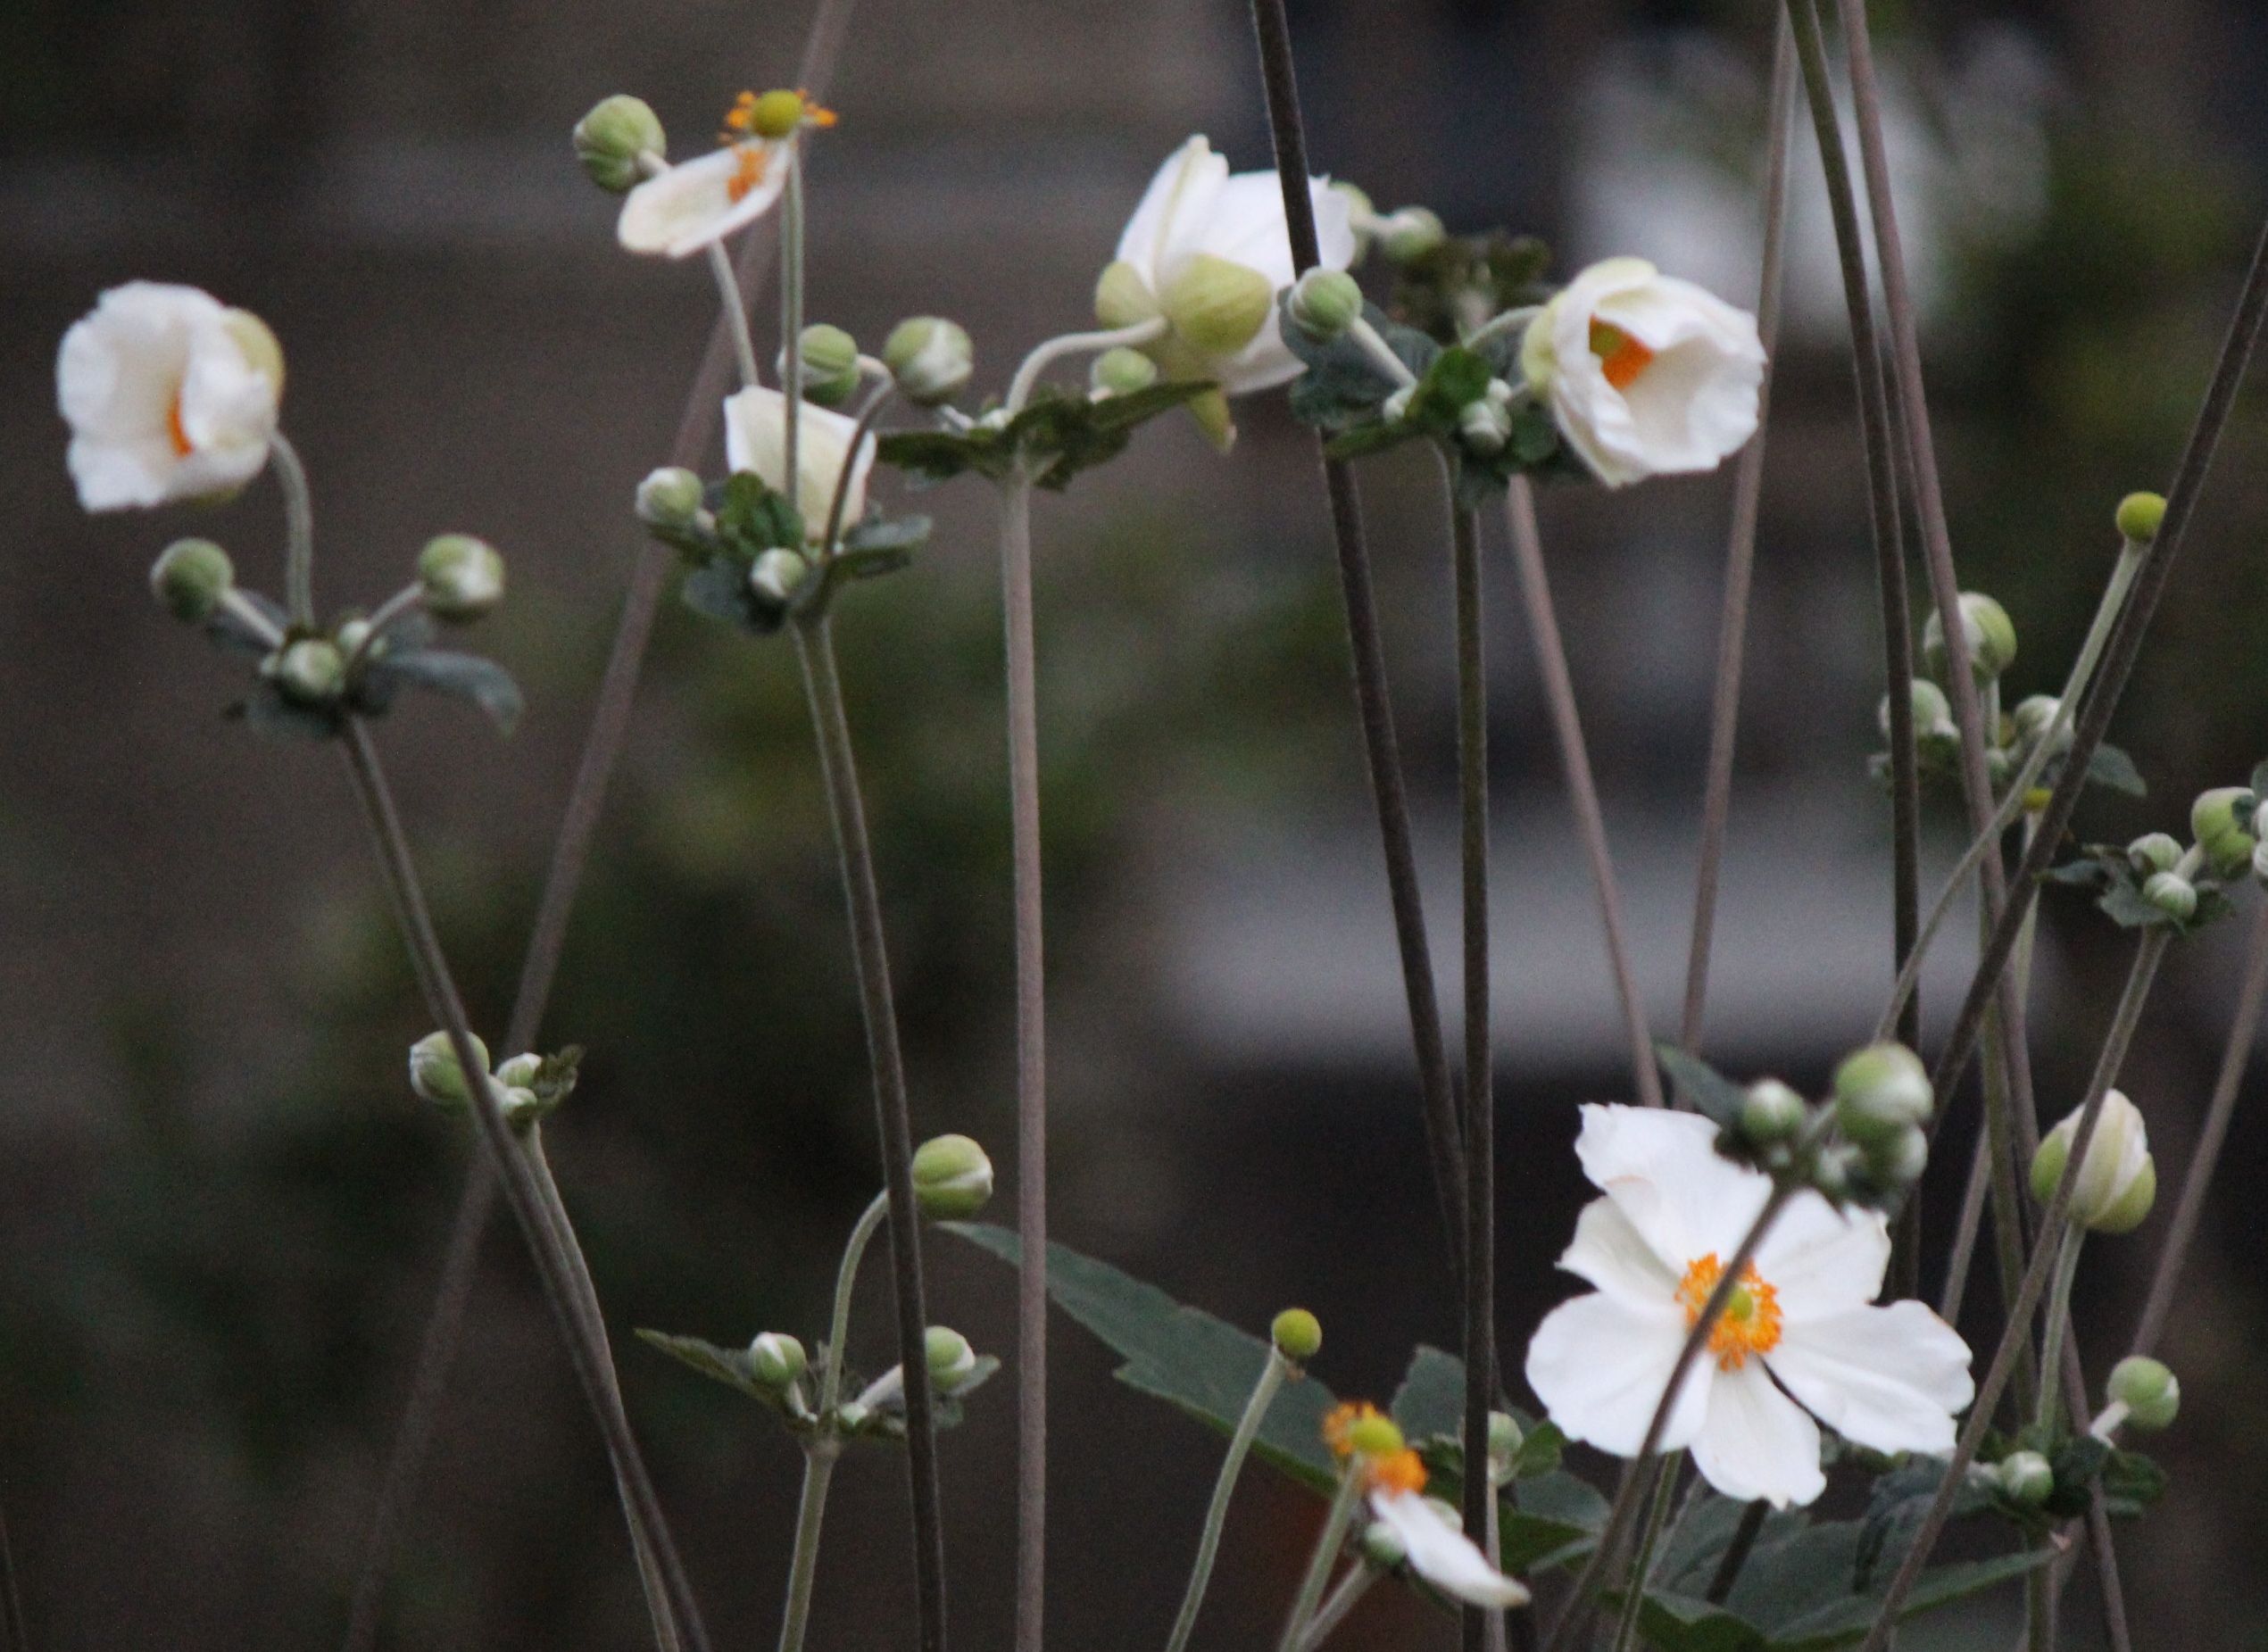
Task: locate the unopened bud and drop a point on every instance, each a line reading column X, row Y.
column 774, row 574
column 2172, row 894
column 1505, row 1439
column 521, row 1071
column 1833, row 1168
column 953, row 1178
column 2151, row 1393
column 311, row 671
column 1991, row 637
column 436, row 1074
column 613, row 140
column 1323, row 303
column 2221, row 820
column 2154, row 851
column 1409, row 233
column 1932, row 712
column 2139, row 516
column 1297, row 1334
column 777, row 1359
column 2026, row 1479
column 1483, row 426
column 2034, row 716
column 1881, row 1091
column 669, row 497
column 1773, row 1113
column 1121, row 371
column 463, row 577
column 2117, row 1182
column 190, row 577
column 930, row 357
column 829, row 360
column 952, row 1361
column 1897, row 1159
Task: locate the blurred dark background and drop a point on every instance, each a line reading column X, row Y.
column 221, row 1211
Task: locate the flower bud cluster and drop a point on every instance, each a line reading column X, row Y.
column 527, row 1088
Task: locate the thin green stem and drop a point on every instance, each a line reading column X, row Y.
column 831, row 541
column 408, row 598
column 1965, row 1230
column 735, row 314
column 811, row 1513
column 1327, row 1544
column 2008, row 1207
column 791, row 301
column 2017, row 1334
column 846, row 1282
column 870, row 959
column 1381, row 353
column 1583, row 789
column 1352, row 1588
column 1027, row 376
column 1208, row 1541
column 1641, row 1564
column 299, row 532
column 1031, row 1062
column 2051, row 1344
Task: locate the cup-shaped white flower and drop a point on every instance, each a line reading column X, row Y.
column 1209, row 252
column 756, row 441
column 170, row 394
column 1645, row 374
column 1799, row 1339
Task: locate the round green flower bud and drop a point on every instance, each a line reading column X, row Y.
column 521, row 1071
column 613, row 140
column 1121, row 371
column 953, row 1178
column 1483, row 427
column 930, row 357
column 775, row 575
column 2172, row 894
column 1896, row 1158
column 1881, row 1091
column 2139, row 516
column 2034, row 716
column 2221, row 820
column 190, row 577
column 435, row 1075
column 1382, row 1547
column 1991, row 637
column 1773, row 1113
column 2154, row 851
column 1375, row 1436
column 2151, row 1394
column 1409, row 233
column 1932, row 712
column 669, row 497
column 1833, row 1169
column 777, row 113
column 311, row 671
column 1999, row 767
column 1297, row 1334
column 463, row 577
column 952, row 1361
column 2116, row 1185
column 353, row 632
column 1324, row 304
column 2026, row 1479
column 829, row 357
column 1215, row 306
column 777, row 1359
column 520, row 1105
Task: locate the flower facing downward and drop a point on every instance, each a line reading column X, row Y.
column 1645, row 374
column 682, row 208
column 1799, row 1339
column 1431, row 1540
column 1207, row 251
column 170, row 393
column 756, row 440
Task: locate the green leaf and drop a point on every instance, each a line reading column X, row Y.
column 878, row 535
column 1552, row 1519
column 1681, row 1623
column 939, row 455
column 1701, row 1087
column 1343, row 385
column 1846, row 1622
column 728, row 1365
column 1373, row 436
column 1138, row 407
column 2113, row 770
column 1182, row 1356
column 1695, row 1545
column 1457, row 378
column 462, row 676
column 718, row 590
column 1431, row 1401
column 752, row 518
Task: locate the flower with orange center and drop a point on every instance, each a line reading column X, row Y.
column 682, row 209
column 170, row 394
column 1800, row 1341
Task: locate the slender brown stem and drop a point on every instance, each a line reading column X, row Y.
column 1740, row 552
column 2148, row 954
column 1582, row 790
column 1736, row 1552
column 1965, row 1232
column 1031, row 1068
column 870, row 957
column 547, row 1244
column 1374, row 702
column 11, row 1595
column 1479, row 1076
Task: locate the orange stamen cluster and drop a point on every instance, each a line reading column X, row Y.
column 1398, row 1472
column 1750, row 1322
column 1338, row 1426
column 739, row 119
column 1621, row 357
column 749, row 162
column 815, row 115
column 182, row 446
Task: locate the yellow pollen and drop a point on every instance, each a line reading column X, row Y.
column 748, row 172
column 1621, row 357
column 1750, row 1322
column 1398, row 1472
column 813, row 113
column 182, row 446
column 740, row 118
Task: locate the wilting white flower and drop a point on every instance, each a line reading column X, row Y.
column 1210, row 251
column 1645, row 374
column 1798, row 1324
column 682, row 208
column 170, row 393
column 1439, row 1551
column 756, row 440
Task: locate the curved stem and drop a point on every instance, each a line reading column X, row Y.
column 1582, row 790
column 240, row 606
column 1027, row 376
column 846, row 1281
column 299, row 532
column 1208, row 1541
column 869, row 957
column 409, row 597
column 803, row 1572
column 1381, row 353
column 735, row 314
column 1502, row 323
column 1327, row 1544
column 832, row 539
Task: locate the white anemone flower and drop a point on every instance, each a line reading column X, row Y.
column 756, row 440
column 683, row 209
column 170, row 394
column 1210, row 251
column 1645, row 374
column 1435, row 1545
column 1800, row 1339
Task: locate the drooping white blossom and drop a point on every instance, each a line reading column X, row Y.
column 1439, row 1551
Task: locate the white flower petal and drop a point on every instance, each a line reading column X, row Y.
column 1174, row 209
column 1891, row 1378
column 756, row 441
column 1614, row 1256
column 1820, row 1261
column 1599, row 1365
column 1443, row 1555
column 1758, row 1442
column 680, row 211
column 1664, row 1171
